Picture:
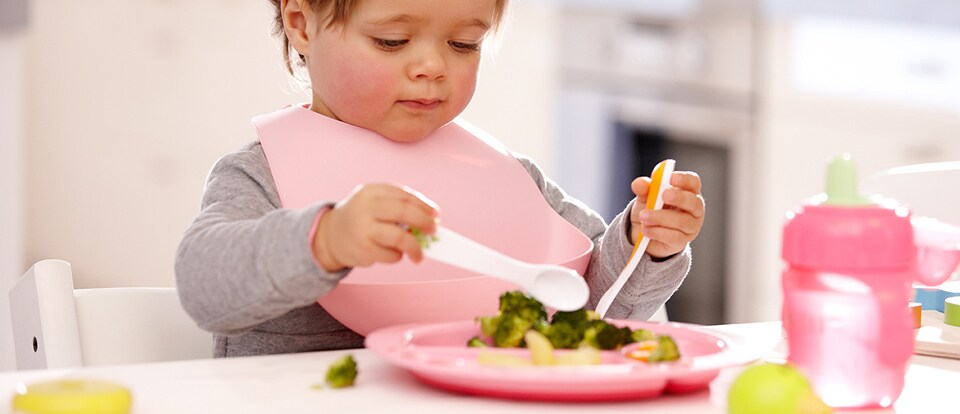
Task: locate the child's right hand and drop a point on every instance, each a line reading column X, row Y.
column 370, row 226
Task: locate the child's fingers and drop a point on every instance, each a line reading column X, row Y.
column 671, row 220
column 388, row 243
column 409, row 216
column 664, row 235
column 404, row 206
column 421, row 201
column 686, row 201
column 665, row 242
column 640, row 186
column 687, row 180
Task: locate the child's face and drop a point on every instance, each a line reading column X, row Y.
column 402, row 68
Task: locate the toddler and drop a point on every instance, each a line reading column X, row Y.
column 250, row 269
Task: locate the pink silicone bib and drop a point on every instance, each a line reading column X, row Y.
column 483, row 192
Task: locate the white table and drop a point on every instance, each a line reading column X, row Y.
column 283, row 384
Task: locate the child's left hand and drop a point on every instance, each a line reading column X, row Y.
column 677, row 224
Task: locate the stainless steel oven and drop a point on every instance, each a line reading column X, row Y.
column 641, row 83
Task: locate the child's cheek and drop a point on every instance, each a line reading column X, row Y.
column 465, row 86
column 366, row 81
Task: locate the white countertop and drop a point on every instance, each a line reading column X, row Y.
column 283, row 384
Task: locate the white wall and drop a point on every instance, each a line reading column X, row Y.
column 11, row 210
column 125, row 117
column 517, row 92
column 129, row 104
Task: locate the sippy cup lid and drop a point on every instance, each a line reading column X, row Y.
column 845, row 231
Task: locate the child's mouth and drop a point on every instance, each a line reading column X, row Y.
column 421, row 104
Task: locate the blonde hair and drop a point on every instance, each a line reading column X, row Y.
column 339, row 14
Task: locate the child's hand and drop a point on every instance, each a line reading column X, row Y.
column 370, row 226
column 677, row 224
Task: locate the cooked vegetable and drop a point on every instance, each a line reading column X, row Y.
column 666, row 350
column 488, row 324
column 510, row 331
column 342, row 372
column 519, row 304
column 423, row 239
column 541, row 352
column 573, row 318
column 601, row 334
column 561, row 335
column 502, row 360
column 643, row 350
column 660, row 349
column 522, row 322
column 584, row 355
column 518, row 314
column 477, row 342
column 641, row 335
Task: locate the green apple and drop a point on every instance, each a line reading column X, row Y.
column 773, row 388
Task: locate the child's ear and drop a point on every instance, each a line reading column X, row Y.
column 296, row 17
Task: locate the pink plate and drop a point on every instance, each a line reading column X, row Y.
column 437, row 355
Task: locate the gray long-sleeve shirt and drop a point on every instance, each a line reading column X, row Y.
column 246, row 272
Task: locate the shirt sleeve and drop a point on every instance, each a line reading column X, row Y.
column 245, row 260
column 650, row 285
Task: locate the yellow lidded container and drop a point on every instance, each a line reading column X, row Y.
column 72, row 396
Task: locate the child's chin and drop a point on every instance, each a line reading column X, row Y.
column 405, row 136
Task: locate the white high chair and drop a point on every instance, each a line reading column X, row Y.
column 660, row 315
column 57, row 326
column 930, row 190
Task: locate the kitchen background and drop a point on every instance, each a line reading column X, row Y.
column 111, row 114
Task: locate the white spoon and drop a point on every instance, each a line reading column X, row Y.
column 556, row 287
column 659, row 181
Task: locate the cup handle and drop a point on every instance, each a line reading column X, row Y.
column 938, row 250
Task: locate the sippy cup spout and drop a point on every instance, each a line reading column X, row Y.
column 842, row 183
column 938, row 250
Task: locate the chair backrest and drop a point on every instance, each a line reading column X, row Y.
column 660, row 315
column 928, row 189
column 56, row 326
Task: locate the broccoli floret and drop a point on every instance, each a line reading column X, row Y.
column 476, row 342
column 518, row 313
column 641, row 335
column 624, row 336
column 666, row 350
column 603, row 335
column 562, row 335
column 488, row 324
column 574, row 318
column 423, row 239
column 519, row 304
column 342, row 372
column 510, row 330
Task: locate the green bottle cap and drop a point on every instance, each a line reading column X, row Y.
column 842, row 184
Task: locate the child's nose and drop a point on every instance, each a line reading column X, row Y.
column 430, row 64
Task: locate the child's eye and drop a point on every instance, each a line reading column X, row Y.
column 389, row 45
column 464, row 47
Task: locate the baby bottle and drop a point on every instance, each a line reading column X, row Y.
column 850, row 262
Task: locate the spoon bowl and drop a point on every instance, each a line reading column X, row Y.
column 560, row 288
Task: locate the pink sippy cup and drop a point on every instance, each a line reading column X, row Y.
column 850, row 262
